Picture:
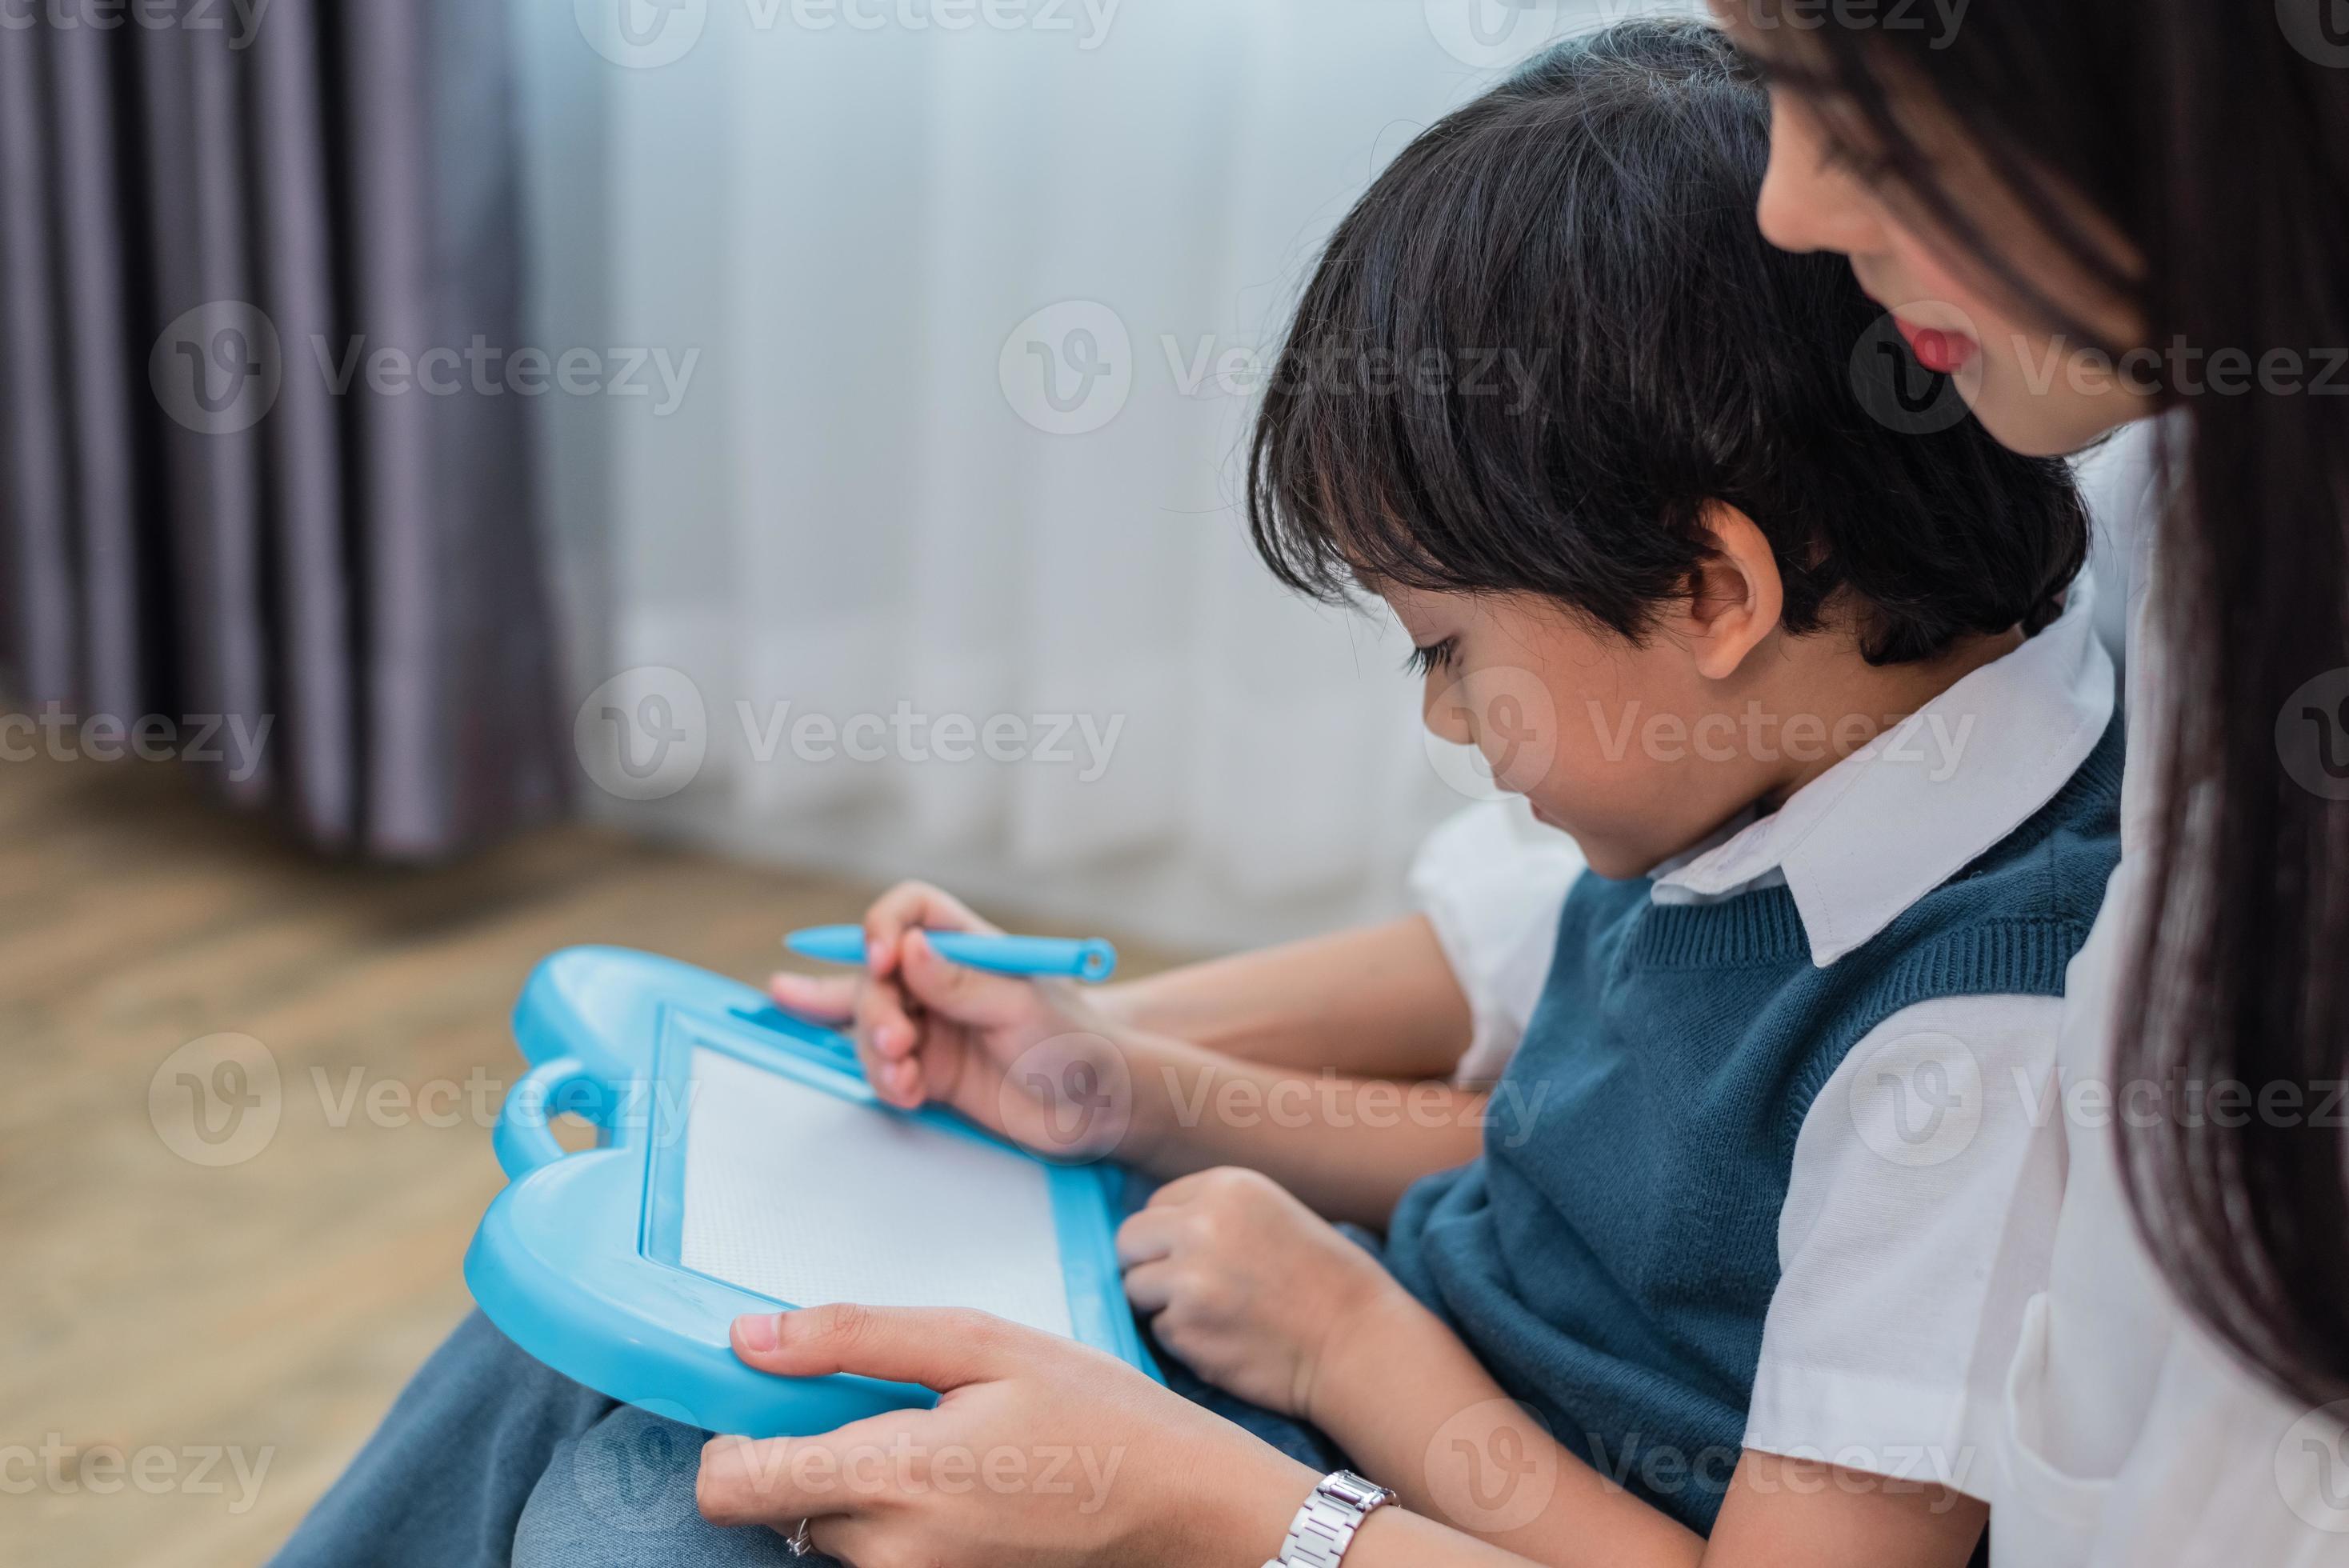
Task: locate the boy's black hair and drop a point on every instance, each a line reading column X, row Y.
column 1552, row 331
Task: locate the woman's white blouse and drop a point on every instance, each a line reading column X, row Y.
column 2127, row 1437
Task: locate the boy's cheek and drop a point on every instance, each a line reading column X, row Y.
column 1613, row 793
column 1514, row 720
column 1604, row 817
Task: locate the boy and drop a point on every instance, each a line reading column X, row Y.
column 1802, row 690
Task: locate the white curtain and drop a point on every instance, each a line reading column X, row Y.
column 858, row 500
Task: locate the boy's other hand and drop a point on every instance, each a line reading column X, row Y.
column 1247, row 1286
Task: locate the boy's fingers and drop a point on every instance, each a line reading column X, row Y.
column 886, row 1037
column 1145, row 1238
column 818, row 998
column 886, row 1018
column 893, row 914
column 907, row 907
column 1149, row 1288
column 967, row 995
column 902, row 1083
column 1182, row 1189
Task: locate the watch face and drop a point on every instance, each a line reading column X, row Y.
column 1348, row 1488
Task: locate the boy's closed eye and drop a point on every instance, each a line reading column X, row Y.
column 1430, row 658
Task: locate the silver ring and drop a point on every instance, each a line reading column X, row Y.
column 797, row 1543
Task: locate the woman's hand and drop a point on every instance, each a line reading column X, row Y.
column 1032, row 1060
column 1040, row 1452
column 1248, row 1286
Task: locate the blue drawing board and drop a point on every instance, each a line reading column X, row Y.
column 743, row 1165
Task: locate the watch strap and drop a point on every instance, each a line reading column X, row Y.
column 1325, row 1526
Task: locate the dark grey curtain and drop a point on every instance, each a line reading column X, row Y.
column 205, row 226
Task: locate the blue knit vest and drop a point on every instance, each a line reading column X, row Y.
column 1611, row 1256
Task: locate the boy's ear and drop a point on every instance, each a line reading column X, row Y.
column 1735, row 595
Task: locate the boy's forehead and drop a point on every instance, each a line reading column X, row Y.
column 1437, row 607
column 1401, row 599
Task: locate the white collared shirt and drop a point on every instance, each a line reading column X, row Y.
column 1886, row 1343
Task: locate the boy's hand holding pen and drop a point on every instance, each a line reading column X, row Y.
column 951, row 1011
column 1239, row 1278
column 1089, row 959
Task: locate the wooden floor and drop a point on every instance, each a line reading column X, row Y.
column 188, row 1354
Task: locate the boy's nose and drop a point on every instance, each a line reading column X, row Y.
column 1447, row 717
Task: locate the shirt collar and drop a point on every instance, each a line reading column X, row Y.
column 1887, row 825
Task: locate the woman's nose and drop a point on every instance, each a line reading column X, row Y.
column 1808, row 204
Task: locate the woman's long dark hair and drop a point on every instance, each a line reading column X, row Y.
column 2214, row 139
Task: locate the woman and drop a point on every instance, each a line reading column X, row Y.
column 2088, row 211
column 2145, row 199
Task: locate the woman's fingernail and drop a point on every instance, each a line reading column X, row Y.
column 759, row 1331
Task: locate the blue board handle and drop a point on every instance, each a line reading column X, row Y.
column 525, row 1135
column 1087, row 959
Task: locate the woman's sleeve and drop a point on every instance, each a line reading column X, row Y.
column 1491, row 881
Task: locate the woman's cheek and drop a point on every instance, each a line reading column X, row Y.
column 2039, row 394
column 2042, row 400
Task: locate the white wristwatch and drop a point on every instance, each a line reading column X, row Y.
column 1325, row 1526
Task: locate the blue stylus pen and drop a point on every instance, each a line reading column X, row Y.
column 1091, row 959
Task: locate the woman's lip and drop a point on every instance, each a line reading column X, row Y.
column 1944, row 353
